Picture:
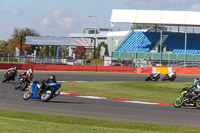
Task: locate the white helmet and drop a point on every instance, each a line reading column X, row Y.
column 196, row 80
column 30, row 70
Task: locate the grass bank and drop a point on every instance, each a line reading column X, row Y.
column 20, row 122
column 158, row 92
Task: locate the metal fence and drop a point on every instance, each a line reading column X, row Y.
column 158, row 59
column 49, row 60
column 122, row 59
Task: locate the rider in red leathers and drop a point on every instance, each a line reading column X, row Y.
column 28, row 73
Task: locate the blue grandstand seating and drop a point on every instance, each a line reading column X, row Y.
column 174, row 42
column 145, row 41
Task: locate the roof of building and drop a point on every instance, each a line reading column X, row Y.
column 161, row 17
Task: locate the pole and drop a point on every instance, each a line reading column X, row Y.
column 160, row 47
column 135, row 68
column 95, row 36
column 185, row 46
column 21, row 45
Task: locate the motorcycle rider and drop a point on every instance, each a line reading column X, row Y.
column 52, row 79
column 153, row 77
column 28, row 73
column 25, row 75
column 196, row 84
column 156, row 74
column 44, row 84
column 13, row 71
column 172, row 74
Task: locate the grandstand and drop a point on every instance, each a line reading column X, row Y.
column 162, row 44
column 173, row 41
column 138, row 41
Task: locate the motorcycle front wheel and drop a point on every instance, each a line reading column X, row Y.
column 197, row 104
column 147, row 79
column 46, row 95
column 27, row 95
column 23, row 86
column 178, row 102
column 5, row 79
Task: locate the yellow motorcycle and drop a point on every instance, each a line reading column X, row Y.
column 188, row 97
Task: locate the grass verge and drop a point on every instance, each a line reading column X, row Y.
column 158, row 92
column 20, row 122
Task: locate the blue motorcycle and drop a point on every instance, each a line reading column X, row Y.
column 41, row 91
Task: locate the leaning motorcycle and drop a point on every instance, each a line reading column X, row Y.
column 23, row 82
column 45, row 94
column 10, row 75
column 187, row 98
column 152, row 77
column 166, row 77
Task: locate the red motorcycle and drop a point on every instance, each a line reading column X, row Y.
column 23, row 82
column 10, row 75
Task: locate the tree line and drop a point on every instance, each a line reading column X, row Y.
column 18, row 39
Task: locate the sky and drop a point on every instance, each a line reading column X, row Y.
column 62, row 17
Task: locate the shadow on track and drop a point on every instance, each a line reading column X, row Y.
column 66, row 102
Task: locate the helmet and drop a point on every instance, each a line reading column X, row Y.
column 53, row 77
column 158, row 72
column 30, row 70
column 196, row 80
column 15, row 68
column 174, row 71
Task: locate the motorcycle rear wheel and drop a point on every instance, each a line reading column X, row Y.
column 46, row 96
column 27, row 95
column 178, row 102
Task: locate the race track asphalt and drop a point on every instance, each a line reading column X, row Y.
column 11, row 99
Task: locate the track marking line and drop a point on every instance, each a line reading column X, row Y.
column 111, row 99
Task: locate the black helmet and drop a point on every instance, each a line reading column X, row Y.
column 15, row 68
column 53, row 77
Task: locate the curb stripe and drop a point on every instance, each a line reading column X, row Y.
column 111, row 99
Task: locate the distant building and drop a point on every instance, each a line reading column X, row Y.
column 89, row 32
column 114, row 39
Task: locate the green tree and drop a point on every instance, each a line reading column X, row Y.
column 64, row 51
column 3, row 47
column 18, row 36
column 98, row 49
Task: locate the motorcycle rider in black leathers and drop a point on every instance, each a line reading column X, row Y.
column 196, row 84
column 13, row 71
column 44, row 83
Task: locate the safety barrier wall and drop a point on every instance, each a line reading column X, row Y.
column 179, row 70
column 118, row 69
column 83, row 68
